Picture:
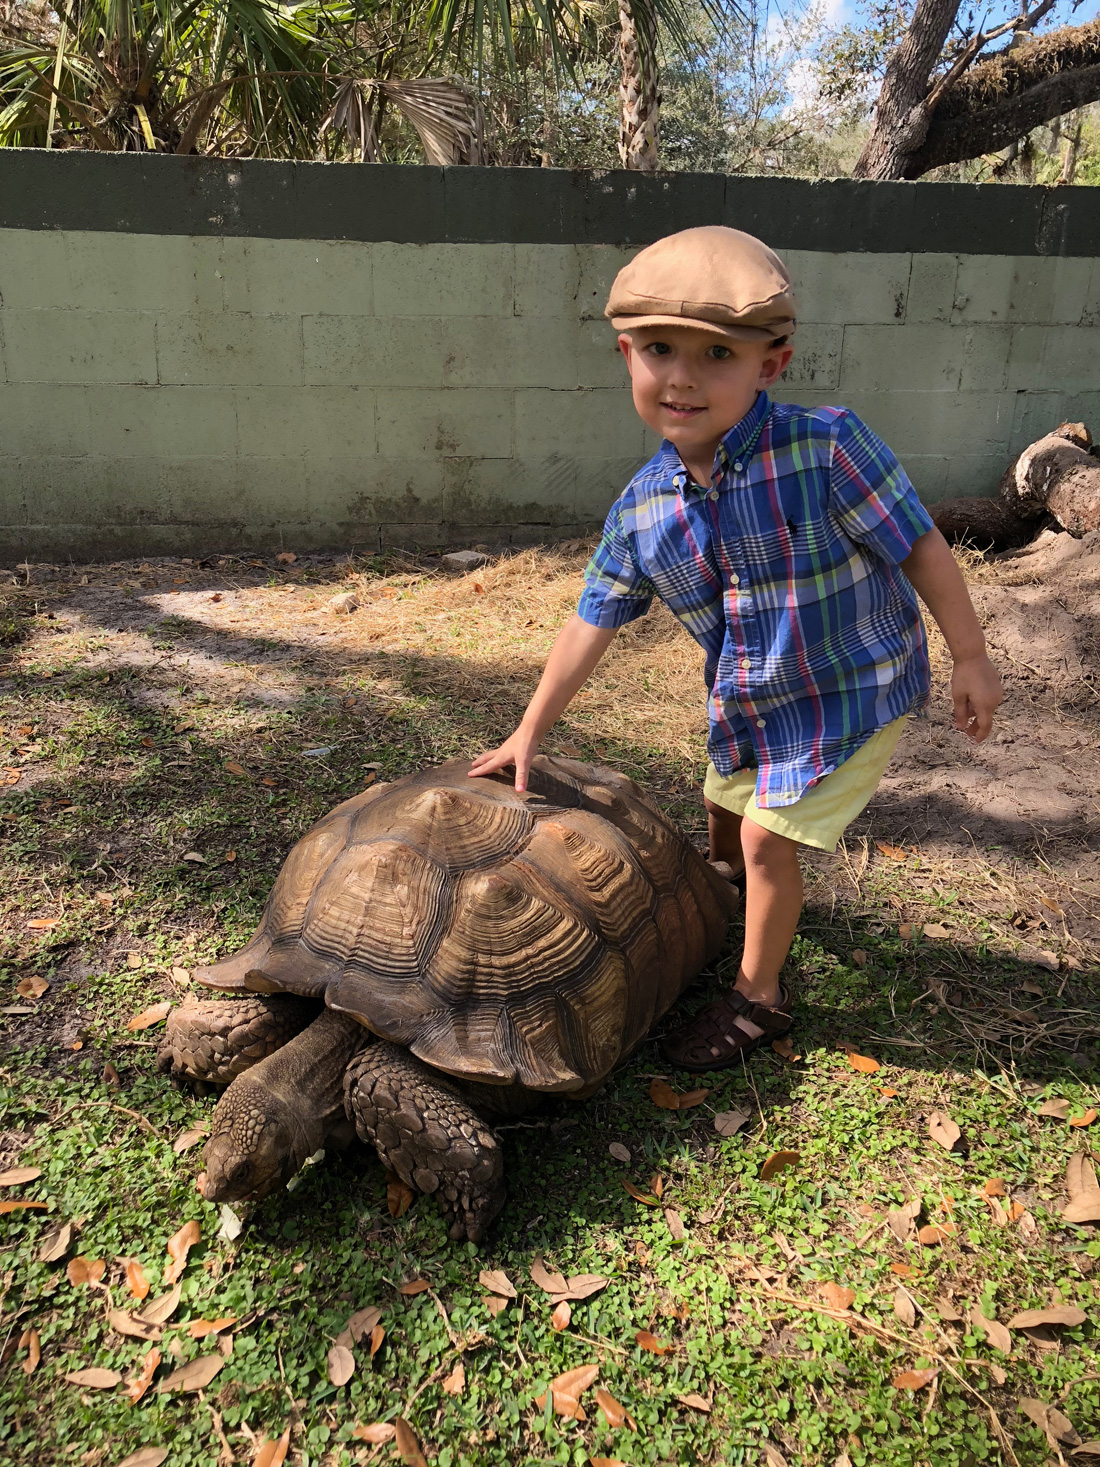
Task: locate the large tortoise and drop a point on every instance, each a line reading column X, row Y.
column 475, row 949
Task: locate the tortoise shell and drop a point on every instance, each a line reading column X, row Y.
column 505, row 938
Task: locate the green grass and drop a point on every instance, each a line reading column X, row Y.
column 98, row 843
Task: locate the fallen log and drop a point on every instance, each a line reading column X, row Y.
column 990, row 524
column 1059, row 476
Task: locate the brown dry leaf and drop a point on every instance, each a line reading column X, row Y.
column 615, row 1414
column 1085, row 1120
column 111, row 1076
column 541, row 1277
column 6, row 1207
column 414, row 1286
column 562, row 1315
column 908, row 931
column 943, row 1129
column 136, row 1281
column 399, row 1195
column 651, row 1343
column 81, row 1271
column 994, row 1332
column 497, row 1282
column 455, row 1383
column 903, row 1270
column 196, row 1375
column 129, row 1324
column 619, row 1151
column 606, row 1462
column 894, row 853
column 148, row 1017
column 1050, row 1421
column 777, row 1162
column 341, row 1365
column 657, row 1185
column 1017, row 1212
column 1067, row 1314
column 1058, row 1108
column 729, row 1122
column 995, row 1187
column 662, row 1094
column 360, row 1324
column 144, row 1379
column 232, row 767
column 583, row 1285
column 915, row 1380
column 377, row 1433
column 692, row 1097
column 272, row 1453
column 1000, row 1216
column 18, row 1174
column 377, row 1335
column 286, row 557
column 863, row 1063
column 43, row 924
column 198, row 1329
column 30, row 1342
column 182, row 976
column 575, row 1382
column 495, row 1304
column 158, row 1311
column 772, row 1455
column 696, row 1402
column 837, row 1296
column 145, row 1457
column 936, row 930
column 638, row 1195
column 186, row 1139
column 1087, row 1449
column 31, row 987
column 94, row 1379
column 179, row 1245
column 1051, row 905
column 675, row 1224
column 1084, row 1192
column 858, row 957
column 888, row 1092
column 904, row 1308
column 785, row 1049
column 933, row 1234
column 946, row 1310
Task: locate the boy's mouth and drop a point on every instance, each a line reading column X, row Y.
column 681, row 410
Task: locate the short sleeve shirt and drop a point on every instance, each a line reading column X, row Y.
column 786, row 570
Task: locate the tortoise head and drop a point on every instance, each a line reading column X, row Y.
column 253, row 1147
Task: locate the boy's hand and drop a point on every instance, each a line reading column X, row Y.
column 976, row 693
column 519, row 750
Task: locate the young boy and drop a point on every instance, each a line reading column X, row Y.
column 791, row 545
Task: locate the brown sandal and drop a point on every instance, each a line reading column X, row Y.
column 714, row 1040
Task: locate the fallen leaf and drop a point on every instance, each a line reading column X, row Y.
column 18, row 1174
column 181, row 976
column 6, row 1207
column 1084, row 1192
column 272, row 1453
column 904, row 1308
column 932, row 1234
column 497, row 1282
column 688, row 1098
column 1058, row 1108
column 80, row 1271
column 1085, row 1120
column 286, row 557
column 772, row 1455
column 136, row 1281
column 908, row 931
column 551, row 1283
column 495, row 1304
column 695, row 1401
column 936, row 930
column 198, row 1329
column 1051, row 905
column 638, row 1195
column 43, row 924
column 341, row 1365
column 377, row 1335
column 186, row 1139
column 858, row 957
column 606, row 1462
column 662, row 1094
column 377, row 1433
column 196, row 1375
column 888, row 1092
column 196, row 857
column 562, row 1315
column 785, row 1049
column 145, row 1457
column 995, row 1187
column 33, row 987
column 573, row 1383
column 179, row 1245
column 651, row 1343
column 111, row 1076
column 863, row 1063
column 1067, row 1314
column 614, row 1413
column 158, row 1311
column 30, row 1342
column 1000, row 1216
column 915, row 1380
column 129, row 1324
column 994, row 1332
column 583, row 1285
column 895, row 853
column 232, row 767
column 399, row 1196
column 455, row 1383
column 902, row 1270
column 946, row 1310
column 837, row 1296
column 148, row 1017
column 619, row 1151
column 417, row 1286
column 1049, row 1420
column 137, row 1387
column 675, row 1224
column 777, row 1162
column 1087, row 1449
column 133, row 960
column 729, row 1122
column 94, row 1379
column 1017, row 1212
column 656, row 1185
column 943, row 1129
column 359, row 1325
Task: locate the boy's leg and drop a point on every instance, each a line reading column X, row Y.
column 725, row 836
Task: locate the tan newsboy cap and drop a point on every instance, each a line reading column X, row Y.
column 716, row 278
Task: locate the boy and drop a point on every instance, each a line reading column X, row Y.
column 791, row 545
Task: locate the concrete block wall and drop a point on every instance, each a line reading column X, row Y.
column 197, row 355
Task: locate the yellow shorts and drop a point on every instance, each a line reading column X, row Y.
column 820, row 817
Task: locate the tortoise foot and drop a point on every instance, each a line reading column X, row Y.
column 212, row 1041
column 429, row 1135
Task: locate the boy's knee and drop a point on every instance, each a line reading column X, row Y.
column 761, row 845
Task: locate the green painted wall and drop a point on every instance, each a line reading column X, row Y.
column 174, row 393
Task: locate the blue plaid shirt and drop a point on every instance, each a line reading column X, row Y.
column 785, row 570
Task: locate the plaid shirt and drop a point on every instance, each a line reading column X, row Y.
column 785, row 571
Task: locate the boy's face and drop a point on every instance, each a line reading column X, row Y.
column 691, row 386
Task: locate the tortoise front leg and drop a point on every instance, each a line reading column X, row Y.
column 426, row 1132
column 216, row 1040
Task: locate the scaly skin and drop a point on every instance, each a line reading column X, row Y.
column 425, row 1131
column 215, row 1040
column 281, row 1111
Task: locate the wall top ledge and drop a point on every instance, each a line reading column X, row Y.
column 150, row 194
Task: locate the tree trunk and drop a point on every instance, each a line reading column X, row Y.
column 902, row 113
column 638, row 87
column 1059, row 476
column 990, row 524
column 1073, row 142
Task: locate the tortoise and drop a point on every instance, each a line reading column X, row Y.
column 475, row 949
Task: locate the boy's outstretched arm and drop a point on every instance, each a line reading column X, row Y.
column 573, row 657
column 975, row 683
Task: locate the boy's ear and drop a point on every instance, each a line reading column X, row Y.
column 775, row 363
column 626, row 346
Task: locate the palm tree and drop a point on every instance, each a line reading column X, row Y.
column 638, row 97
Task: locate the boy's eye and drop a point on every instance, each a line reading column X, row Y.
column 659, row 348
column 719, row 353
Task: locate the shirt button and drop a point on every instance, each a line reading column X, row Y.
column 734, row 578
column 713, row 494
column 745, row 662
column 739, row 467
column 760, row 722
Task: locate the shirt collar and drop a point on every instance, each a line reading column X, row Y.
column 736, row 448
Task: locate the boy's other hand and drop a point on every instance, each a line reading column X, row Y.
column 976, row 693
column 519, row 750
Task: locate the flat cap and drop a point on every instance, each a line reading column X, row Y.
column 713, row 277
